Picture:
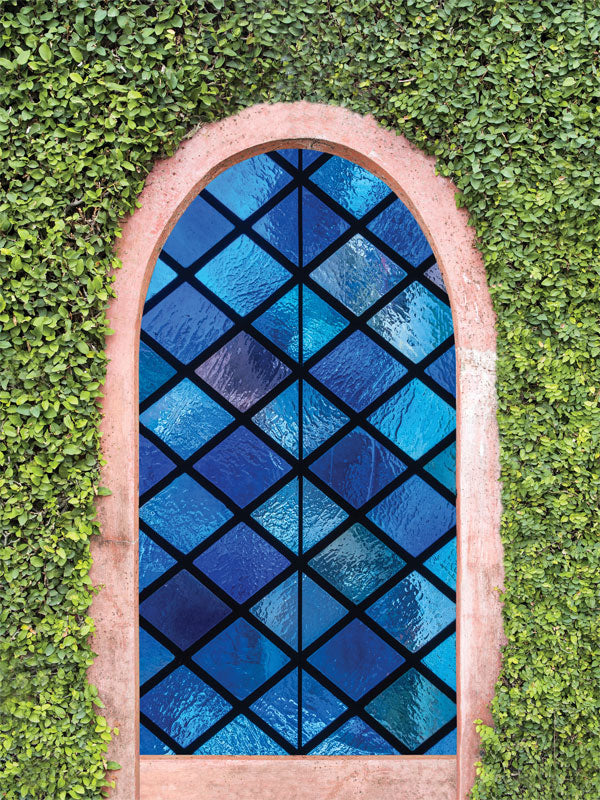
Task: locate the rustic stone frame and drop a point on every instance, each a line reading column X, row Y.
column 170, row 187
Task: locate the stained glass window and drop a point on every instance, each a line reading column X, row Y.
column 297, row 472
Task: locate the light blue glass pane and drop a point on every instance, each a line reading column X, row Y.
column 279, row 611
column 357, row 467
column 241, row 562
column 185, row 323
column 183, row 706
column 199, row 228
column 321, row 419
column 150, row 745
column 154, row 464
column 358, row 274
column 356, row 659
column 184, row 513
column 414, row 515
column 320, row 226
column 412, row 709
column 443, row 371
column 443, row 564
column 356, row 563
column 415, row 419
column 445, row 747
column 279, row 227
column 413, row 611
column 280, row 419
column 435, row 276
column 243, row 371
column 320, row 515
column 240, row 738
column 162, row 275
column 442, row 661
column 154, row 371
column 183, row 609
column 319, row 708
column 443, row 467
column 350, row 185
column 243, row 275
column 242, row 466
column 241, row 658
column 397, row 227
column 320, row 323
column 415, row 322
column 153, row 656
column 153, row 561
column 279, row 515
column 279, row 323
column 358, row 370
column 319, row 611
column 246, row 186
column 354, row 738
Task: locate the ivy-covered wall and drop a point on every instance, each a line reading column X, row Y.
column 506, row 95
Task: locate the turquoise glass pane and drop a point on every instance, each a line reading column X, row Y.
column 442, row 661
column 443, row 467
column 443, row 563
column 154, row 371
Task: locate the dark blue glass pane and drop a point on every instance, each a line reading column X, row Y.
column 183, row 706
column 412, row 709
column 243, row 275
column 162, row 276
column 397, row 227
column 241, row 562
column 443, row 371
column 290, row 155
column 154, row 371
column 320, row 226
column 154, row 464
column 150, row 745
column 358, row 371
column 185, row 323
column 279, row 323
column 356, row 563
column 198, row 229
column 354, row 738
column 443, row 564
column 445, row 747
column 279, row 227
column 414, row 515
column 350, row 185
column 415, row 419
column 413, row 611
column 183, row 609
column 443, row 467
column 153, row 561
column 308, row 156
column 241, row 658
column 356, row 659
column 153, row 656
column 442, row 661
column 240, row 738
column 279, row 515
column 242, row 466
column 357, row 467
column 245, row 187
column 243, row 371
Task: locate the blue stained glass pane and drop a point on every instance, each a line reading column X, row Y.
column 356, row 659
column 443, row 371
column 415, row 322
column 241, row 562
column 357, row 190
column 358, row 274
column 154, row 464
column 243, row 275
column 414, row 515
column 443, row 564
column 442, row 661
column 320, row 515
column 358, row 370
column 412, row 709
column 199, row 228
column 357, row 467
column 415, row 419
column 279, row 227
column 153, row 656
column 413, row 611
column 184, row 513
column 308, row 156
column 289, row 155
column 356, row 563
column 443, row 467
column 279, row 515
column 320, row 226
column 321, row 419
column 246, row 186
column 320, row 323
column 240, row 738
column 183, row 609
column 354, row 738
column 279, row 611
column 151, row 745
column 319, row 611
column 397, row 227
column 279, row 323
column 154, row 371
column 153, row 561
column 243, row 371
column 241, row 658
column 445, row 747
column 319, row 708
column 183, row 706
column 280, row 419
column 162, row 275
column 242, row 466
column 185, row 323
column 435, row 276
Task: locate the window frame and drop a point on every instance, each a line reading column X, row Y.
column 170, row 187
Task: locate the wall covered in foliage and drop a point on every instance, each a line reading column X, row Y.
column 506, row 95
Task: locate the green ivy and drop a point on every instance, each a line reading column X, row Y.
column 506, row 95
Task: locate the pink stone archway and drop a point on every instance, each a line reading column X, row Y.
column 170, row 187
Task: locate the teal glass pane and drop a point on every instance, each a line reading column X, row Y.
column 443, row 563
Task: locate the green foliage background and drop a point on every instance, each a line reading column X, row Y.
column 506, row 95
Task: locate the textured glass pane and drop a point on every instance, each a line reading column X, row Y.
column 443, row 371
column 280, row 419
column 161, row 277
column 320, row 515
column 279, row 515
column 320, row 226
column 199, row 228
column 443, row 563
column 153, row 656
column 397, row 227
column 154, row 464
column 154, row 371
column 279, row 323
column 280, row 227
column 245, row 187
column 435, row 276
column 151, row 745
column 444, row 747
column 153, row 561
column 240, row 738
column 354, row 738
column 442, row 661
column 350, row 185
column 443, row 467
column 320, row 323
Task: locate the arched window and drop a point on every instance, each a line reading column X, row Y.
column 299, row 528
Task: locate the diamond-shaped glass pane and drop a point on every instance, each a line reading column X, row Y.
column 397, row 227
column 199, row 228
column 154, row 371
column 350, row 185
column 240, row 738
column 154, row 464
column 246, row 186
